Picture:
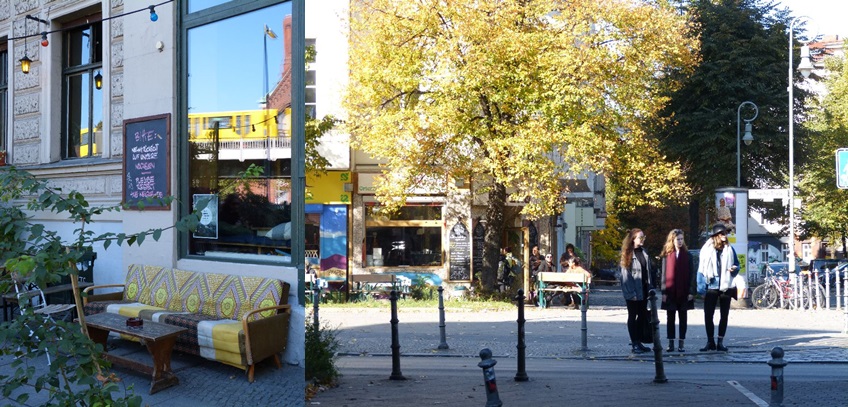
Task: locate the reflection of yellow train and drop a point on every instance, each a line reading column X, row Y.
column 245, row 124
column 83, row 147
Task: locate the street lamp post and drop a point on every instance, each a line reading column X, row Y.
column 747, row 139
column 805, row 67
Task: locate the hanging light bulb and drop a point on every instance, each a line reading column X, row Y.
column 44, row 41
column 253, row 128
column 153, row 15
column 98, row 80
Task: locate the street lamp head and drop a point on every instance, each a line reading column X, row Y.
column 748, row 138
column 805, row 67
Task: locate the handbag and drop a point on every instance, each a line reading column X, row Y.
column 702, row 284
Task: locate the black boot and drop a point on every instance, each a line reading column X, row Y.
column 643, row 347
column 710, row 346
column 637, row 349
column 680, row 346
column 670, row 345
column 720, row 347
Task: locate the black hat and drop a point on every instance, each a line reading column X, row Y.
column 718, row 228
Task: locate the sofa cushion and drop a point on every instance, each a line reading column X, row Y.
column 222, row 340
column 140, row 283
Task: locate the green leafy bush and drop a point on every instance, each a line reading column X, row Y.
column 320, row 350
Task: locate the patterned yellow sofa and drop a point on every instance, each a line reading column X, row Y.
column 237, row 320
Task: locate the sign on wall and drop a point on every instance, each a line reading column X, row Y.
column 147, row 170
column 460, row 253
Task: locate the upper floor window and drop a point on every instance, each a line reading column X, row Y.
column 82, row 101
column 4, row 93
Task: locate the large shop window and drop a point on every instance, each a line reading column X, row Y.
column 83, row 100
column 239, row 143
column 411, row 237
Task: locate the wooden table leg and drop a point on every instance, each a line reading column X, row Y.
column 98, row 336
column 161, row 352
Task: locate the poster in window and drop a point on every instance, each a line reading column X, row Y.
column 208, row 226
column 460, row 253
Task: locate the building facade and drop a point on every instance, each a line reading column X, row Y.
column 125, row 100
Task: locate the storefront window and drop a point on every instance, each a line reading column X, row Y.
column 239, row 135
column 410, row 237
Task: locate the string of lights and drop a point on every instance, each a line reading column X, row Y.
column 26, row 61
column 153, row 17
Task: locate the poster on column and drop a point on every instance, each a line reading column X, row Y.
column 731, row 208
column 146, row 173
column 725, row 208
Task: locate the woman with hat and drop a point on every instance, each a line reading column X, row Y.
column 718, row 265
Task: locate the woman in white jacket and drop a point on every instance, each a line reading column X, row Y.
column 718, row 265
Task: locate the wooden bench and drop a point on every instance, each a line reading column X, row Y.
column 363, row 285
column 548, row 281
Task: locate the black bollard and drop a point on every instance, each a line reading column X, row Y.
column 521, row 375
column 488, row 366
column 584, row 327
column 443, row 344
column 777, row 364
column 396, row 374
column 316, row 296
column 655, row 323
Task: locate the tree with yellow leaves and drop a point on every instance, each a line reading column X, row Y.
column 514, row 95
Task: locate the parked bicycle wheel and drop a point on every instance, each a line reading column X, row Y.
column 764, row 296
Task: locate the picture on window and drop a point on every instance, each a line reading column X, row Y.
column 208, row 227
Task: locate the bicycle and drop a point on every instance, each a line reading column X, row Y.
column 780, row 286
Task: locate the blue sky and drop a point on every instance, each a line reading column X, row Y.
column 226, row 57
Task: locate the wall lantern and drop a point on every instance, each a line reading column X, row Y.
column 98, row 80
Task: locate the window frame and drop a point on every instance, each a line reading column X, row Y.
column 408, row 223
column 185, row 23
column 94, row 65
column 4, row 94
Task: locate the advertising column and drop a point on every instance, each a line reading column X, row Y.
column 731, row 208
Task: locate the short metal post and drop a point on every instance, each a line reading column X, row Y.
column 777, row 364
column 396, row 374
column 655, row 324
column 316, row 295
column 845, row 299
column 800, row 304
column 810, row 280
column 584, row 328
column 443, row 344
column 838, row 291
column 827, row 288
column 521, row 374
column 488, row 366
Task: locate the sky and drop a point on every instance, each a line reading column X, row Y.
column 829, row 15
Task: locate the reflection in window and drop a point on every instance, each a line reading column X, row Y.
column 198, row 5
column 240, row 146
column 410, row 237
column 83, row 101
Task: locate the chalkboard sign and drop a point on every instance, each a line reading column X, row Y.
column 479, row 243
column 460, row 253
column 147, row 170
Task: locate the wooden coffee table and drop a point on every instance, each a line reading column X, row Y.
column 159, row 339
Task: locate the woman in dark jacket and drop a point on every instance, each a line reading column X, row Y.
column 678, row 284
column 635, row 283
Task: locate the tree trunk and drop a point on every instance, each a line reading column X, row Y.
column 844, row 247
column 494, row 231
column 694, row 227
